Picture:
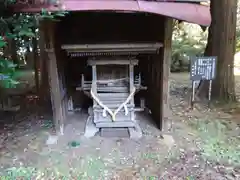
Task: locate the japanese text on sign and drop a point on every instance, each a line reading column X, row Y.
column 203, row 68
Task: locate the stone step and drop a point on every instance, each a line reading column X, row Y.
column 115, row 96
column 120, row 116
column 113, row 102
column 114, row 132
column 115, row 124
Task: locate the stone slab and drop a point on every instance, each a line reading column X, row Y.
column 52, row 140
column 90, row 128
column 114, row 132
column 135, row 132
column 116, row 124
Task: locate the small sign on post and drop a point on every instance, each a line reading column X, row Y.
column 202, row 68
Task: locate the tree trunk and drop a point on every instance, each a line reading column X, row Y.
column 221, row 43
column 13, row 47
column 203, row 87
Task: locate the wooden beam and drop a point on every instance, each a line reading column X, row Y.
column 54, row 81
column 44, row 85
column 113, row 62
column 166, row 65
column 115, row 47
column 36, row 64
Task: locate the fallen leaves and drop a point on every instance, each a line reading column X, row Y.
column 196, row 134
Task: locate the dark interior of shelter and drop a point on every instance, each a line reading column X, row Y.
column 108, row 28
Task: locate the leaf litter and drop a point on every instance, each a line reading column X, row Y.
column 201, row 145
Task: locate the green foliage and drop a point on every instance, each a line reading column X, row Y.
column 7, row 70
column 2, row 42
column 52, row 15
column 92, row 168
column 238, row 40
column 188, row 40
column 21, row 172
column 221, row 151
column 215, row 142
column 21, row 28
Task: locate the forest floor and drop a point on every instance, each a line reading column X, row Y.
column 201, row 144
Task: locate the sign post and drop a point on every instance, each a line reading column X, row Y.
column 202, row 68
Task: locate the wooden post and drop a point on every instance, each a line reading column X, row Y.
column 36, row 64
column 131, row 77
column 54, row 81
column 166, row 65
column 44, row 85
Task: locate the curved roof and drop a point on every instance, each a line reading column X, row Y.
column 194, row 13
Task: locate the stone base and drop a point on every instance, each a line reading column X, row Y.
column 121, row 132
column 90, row 128
column 52, row 140
column 114, row 132
column 10, row 108
column 136, row 132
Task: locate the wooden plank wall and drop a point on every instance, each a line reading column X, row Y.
column 95, row 27
column 80, row 28
column 83, row 28
column 153, row 94
column 157, row 75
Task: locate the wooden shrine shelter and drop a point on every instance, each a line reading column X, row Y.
column 114, row 52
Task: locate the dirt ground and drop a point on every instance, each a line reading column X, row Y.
column 200, row 144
